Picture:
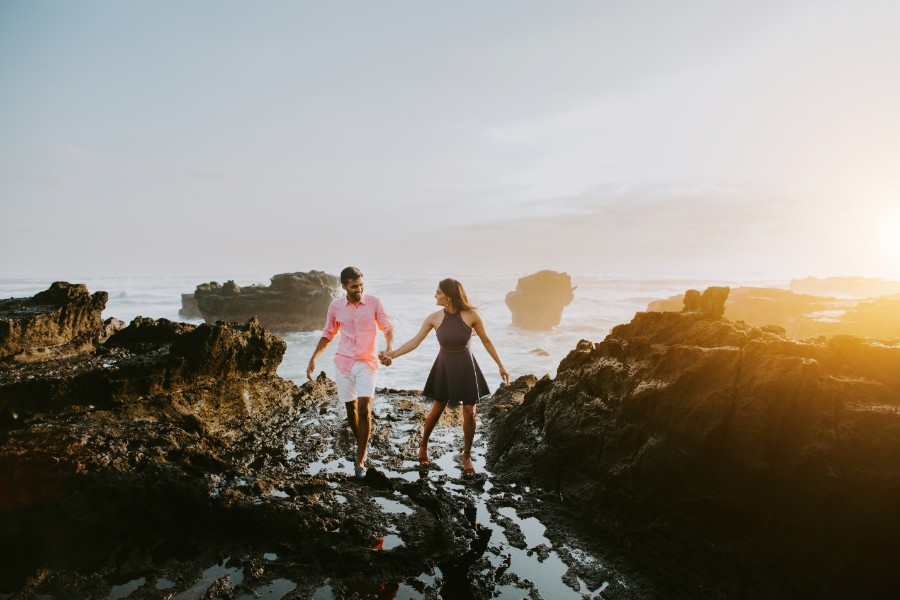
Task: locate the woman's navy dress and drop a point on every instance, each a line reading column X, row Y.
column 455, row 376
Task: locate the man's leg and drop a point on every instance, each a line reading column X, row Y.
column 351, row 416
column 468, row 437
column 431, row 422
column 363, row 428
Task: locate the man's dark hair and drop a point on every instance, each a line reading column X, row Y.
column 350, row 273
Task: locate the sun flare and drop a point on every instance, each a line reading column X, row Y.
column 890, row 234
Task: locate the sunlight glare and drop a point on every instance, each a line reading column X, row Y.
column 890, row 234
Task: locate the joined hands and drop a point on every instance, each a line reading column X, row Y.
column 386, row 357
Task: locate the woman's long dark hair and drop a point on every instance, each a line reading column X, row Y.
column 457, row 293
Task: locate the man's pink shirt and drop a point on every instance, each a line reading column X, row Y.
column 359, row 325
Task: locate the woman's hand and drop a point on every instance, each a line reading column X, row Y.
column 386, row 357
column 504, row 374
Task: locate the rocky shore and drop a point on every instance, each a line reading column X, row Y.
column 170, row 460
column 728, row 461
column 684, row 456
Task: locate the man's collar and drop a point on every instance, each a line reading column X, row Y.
column 362, row 300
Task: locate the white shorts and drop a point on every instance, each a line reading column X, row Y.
column 359, row 383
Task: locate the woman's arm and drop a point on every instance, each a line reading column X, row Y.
column 478, row 326
column 413, row 343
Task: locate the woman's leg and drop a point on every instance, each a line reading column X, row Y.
column 468, row 437
column 431, row 421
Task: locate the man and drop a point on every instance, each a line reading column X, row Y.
column 358, row 318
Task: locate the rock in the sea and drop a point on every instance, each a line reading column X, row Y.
column 539, row 299
column 696, row 441
column 292, row 302
column 189, row 307
column 711, row 303
column 64, row 319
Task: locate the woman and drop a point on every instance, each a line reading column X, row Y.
column 455, row 376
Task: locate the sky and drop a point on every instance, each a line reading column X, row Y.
column 660, row 138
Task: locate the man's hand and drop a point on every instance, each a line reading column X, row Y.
column 310, row 369
column 385, row 358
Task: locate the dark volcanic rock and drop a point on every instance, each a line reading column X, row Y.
column 539, row 299
column 721, row 454
column 147, row 357
column 293, row 301
column 64, row 319
column 173, row 446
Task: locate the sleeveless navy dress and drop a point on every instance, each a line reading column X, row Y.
column 455, row 376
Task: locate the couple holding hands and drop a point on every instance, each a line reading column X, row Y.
column 455, row 376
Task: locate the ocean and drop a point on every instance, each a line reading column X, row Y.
column 601, row 303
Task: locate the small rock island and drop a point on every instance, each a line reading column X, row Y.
column 539, row 299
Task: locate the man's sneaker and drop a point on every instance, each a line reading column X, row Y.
column 360, row 472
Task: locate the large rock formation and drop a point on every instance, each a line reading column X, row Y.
column 539, row 299
column 63, row 319
column 805, row 316
column 711, row 303
column 293, row 301
column 733, row 461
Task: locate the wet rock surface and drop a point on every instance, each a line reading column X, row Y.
column 539, row 299
column 171, row 462
column 726, row 461
column 292, row 302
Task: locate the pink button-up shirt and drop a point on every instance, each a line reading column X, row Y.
column 359, row 325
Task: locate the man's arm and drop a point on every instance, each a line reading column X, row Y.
column 384, row 357
column 384, row 322
column 328, row 333
column 320, row 347
column 413, row 343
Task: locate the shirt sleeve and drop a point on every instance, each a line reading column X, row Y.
column 382, row 318
column 331, row 323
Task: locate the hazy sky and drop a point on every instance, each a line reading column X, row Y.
column 678, row 137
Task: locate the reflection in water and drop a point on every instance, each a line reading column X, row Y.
column 384, row 591
column 392, row 506
column 124, row 590
column 380, row 591
column 456, row 571
column 277, row 589
column 392, row 541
